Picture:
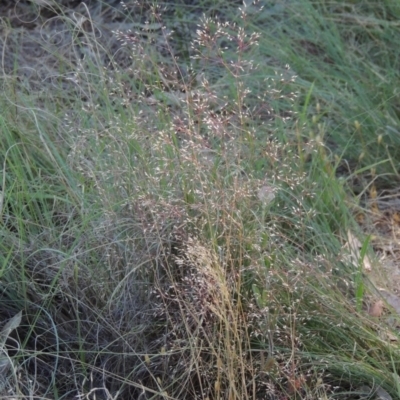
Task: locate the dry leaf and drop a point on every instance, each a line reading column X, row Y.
column 382, row 394
column 396, row 217
column 5, row 361
column 392, row 300
column 378, row 392
column 391, row 337
column 353, row 243
column 295, row 384
column 354, row 246
column 376, row 309
column 12, row 324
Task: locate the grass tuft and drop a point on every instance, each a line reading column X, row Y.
column 176, row 194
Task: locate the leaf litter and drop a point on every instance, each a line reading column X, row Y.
column 380, row 218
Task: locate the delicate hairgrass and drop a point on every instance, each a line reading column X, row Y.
column 172, row 220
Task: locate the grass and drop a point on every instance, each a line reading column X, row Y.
column 174, row 214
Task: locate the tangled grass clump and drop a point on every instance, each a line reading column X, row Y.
column 170, row 228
